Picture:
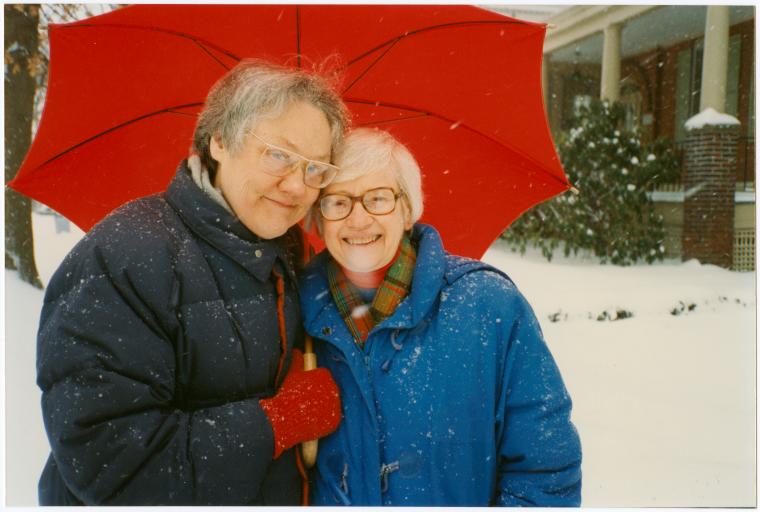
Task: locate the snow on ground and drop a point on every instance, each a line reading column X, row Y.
column 664, row 400
column 26, row 447
column 664, row 394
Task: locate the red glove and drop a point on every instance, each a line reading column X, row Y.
column 306, row 407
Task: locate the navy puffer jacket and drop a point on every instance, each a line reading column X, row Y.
column 158, row 337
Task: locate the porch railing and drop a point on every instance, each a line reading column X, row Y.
column 745, row 167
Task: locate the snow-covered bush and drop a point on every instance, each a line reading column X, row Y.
column 611, row 215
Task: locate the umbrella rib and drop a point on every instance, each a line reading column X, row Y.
column 454, row 125
column 214, row 57
column 434, row 27
column 154, row 29
column 180, row 113
column 388, row 121
column 392, row 42
column 170, row 110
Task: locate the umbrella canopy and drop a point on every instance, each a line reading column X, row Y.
column 460, row 86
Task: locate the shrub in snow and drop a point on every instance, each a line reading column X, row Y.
column 612, row 216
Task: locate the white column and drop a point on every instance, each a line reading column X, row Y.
column 611, row 63
column 715, row 59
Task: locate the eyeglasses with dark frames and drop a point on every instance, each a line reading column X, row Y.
column 377, row 201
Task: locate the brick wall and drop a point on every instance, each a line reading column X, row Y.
column 709, row 185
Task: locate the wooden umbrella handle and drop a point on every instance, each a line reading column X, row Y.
column 309, row 448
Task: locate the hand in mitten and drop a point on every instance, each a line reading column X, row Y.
column 307, row 406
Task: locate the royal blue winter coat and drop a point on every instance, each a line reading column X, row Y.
column 455, row 399
column 158, row 337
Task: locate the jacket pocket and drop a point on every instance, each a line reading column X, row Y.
column 333, row 486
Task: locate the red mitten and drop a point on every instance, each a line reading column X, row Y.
column 306, row 407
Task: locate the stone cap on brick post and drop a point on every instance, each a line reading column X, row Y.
column 710, row 118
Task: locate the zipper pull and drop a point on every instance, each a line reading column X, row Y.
column 385, row 470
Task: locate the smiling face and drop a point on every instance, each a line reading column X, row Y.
column 269, row 205
column 363, row 242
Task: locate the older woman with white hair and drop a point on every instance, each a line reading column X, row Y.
column 450, row 395
column 166, row 345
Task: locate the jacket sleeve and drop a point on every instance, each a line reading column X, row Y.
column 106, row 366
column 539, row 448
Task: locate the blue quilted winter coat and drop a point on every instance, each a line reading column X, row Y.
column 158, row 337
column 455, row 399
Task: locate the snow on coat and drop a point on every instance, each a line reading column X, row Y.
column 158, row 337
column 455, row 399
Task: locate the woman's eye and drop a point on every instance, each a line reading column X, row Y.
column 340, row 202
column 377, row 200
column 278, row 155
column 314, row 168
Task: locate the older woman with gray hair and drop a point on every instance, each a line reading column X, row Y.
column 450, row 395
column 166, row 344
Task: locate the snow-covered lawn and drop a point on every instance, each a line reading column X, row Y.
column 664, row 398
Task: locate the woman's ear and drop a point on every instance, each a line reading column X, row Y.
column 216, row 148
column 407, row 214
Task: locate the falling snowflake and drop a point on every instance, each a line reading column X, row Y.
column 359, row 311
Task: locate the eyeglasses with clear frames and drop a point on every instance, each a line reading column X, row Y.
column 377, row 201
column 277, row 161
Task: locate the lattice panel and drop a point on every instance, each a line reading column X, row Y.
column 744, row 249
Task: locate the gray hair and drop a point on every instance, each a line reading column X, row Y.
column 255, row 90
column 368, row 150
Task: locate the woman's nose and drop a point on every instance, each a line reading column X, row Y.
column 358, row 218
column 292, row 183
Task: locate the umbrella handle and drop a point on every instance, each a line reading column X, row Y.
column 309, row 448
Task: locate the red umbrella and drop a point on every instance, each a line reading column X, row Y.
column 459, row 85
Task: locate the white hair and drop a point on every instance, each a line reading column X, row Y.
column 368, row 150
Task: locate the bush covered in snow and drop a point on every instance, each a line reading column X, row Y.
column 611, row 214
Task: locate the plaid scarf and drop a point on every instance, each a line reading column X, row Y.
column 360, row 317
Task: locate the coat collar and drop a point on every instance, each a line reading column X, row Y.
column 429, row 273
column 224, row 231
